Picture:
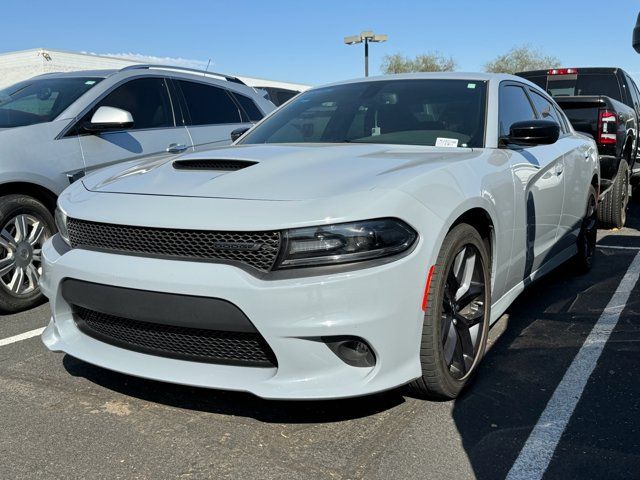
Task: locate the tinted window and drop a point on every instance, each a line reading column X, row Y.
column 145, row 98
column 584, row 84
column 408, row 112
column 40, row 100
column 545, row 109
column 253, row 112
column 564, row 123
column 514, row 107
column 631, row 91
column 209, row 105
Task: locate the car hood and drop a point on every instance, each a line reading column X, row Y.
column 276, row 172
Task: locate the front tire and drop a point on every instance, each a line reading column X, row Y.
column 456, row 320
column 25, row 224
column 612, row 211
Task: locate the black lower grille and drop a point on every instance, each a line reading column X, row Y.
column 195, row 344
column 255, row 249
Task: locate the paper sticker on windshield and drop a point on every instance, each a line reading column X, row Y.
column 471, row 85
column 446, row 142
column 89, row 82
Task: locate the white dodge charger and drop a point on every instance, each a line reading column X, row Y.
column 363, row 236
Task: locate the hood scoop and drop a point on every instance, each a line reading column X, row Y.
column 211, row 164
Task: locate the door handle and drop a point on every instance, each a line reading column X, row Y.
column 176, row 148
column 559, row 168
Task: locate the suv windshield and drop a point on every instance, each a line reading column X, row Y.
column 40, row 100
column 407, row 112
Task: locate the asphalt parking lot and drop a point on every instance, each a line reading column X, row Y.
column 62, row 418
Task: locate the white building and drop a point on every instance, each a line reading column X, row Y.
column 24, row 64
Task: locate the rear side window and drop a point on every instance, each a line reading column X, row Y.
column 514, row 107
column 545, row 109
column 631, row 90
column 253, row 112
column 147, row 99
column 209, row 105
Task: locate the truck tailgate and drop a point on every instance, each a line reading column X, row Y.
column 583, row 112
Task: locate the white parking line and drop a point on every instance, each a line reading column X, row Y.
column 536, row 454
column 22, row 336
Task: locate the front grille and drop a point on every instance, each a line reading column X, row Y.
column 195, row 344
column 255, row 249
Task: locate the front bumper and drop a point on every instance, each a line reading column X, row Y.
column 380, row 304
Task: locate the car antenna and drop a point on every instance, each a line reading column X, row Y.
column 207, row 69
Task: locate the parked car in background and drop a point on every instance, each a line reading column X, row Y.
column 604, row 103
column 55, row 128
column 363, row 236
column 279, row 95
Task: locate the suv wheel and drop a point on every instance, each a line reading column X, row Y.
column 612, row 211
column 456, row 321
column 25, row 224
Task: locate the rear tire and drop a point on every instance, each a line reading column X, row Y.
column 456, row 321
column 25, row 224
column 612, row 211
column 586, row 242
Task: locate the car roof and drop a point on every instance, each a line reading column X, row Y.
column 173, row 72
column 473, row 76
column 78, row 74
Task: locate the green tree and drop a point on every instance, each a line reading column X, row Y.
column 519, row 59
column 428, row 62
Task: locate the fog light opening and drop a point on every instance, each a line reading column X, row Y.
column 353, row 351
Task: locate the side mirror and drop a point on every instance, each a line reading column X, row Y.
column 533, row 132
column 238, row 132
column 636, row 35
column 109, row 118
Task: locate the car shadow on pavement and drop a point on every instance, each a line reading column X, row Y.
column 235, row 403
column 548, row 324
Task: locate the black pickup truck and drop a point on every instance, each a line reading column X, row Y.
column 604, row 103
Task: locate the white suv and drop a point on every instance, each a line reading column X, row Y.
column 55, row 128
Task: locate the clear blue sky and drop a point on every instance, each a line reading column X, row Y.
column 302, row 41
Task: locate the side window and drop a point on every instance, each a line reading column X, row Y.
column 564, row 123
column 632, row 90
column 545, row 109
column 146, row 99
column 514, row 107
column 249, row 107
column 209, row 105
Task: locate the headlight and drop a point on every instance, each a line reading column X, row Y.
column 61, row 223
column 345, row 242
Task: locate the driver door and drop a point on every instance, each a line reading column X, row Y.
column 539, row 170
column 155, row 129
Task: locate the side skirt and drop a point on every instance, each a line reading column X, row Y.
column 500, row 306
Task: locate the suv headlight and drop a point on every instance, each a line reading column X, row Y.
column 345, row 242
column 61, row 224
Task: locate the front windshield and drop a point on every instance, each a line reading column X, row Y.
column 436, row 112
column 40, row 100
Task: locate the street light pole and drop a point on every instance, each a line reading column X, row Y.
column 366, row 57
column 365, row 37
